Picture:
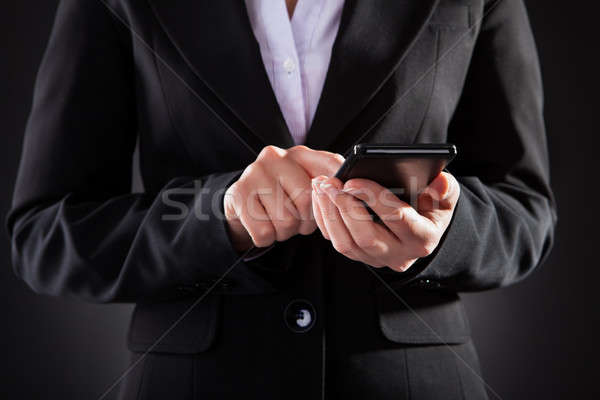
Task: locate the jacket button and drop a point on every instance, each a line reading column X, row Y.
column 300, row 316
column 425, row 284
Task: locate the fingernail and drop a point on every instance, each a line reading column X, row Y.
column 315, row 183
column 328, row 188
column 352, row 191
column 317, row 180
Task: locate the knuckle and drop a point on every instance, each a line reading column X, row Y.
column 304, row 204
column 426, row 247
column 263, row 237
column 235, row 194
column 270, row 152
column 398, row 216
column 254, row 169
column 366, row 242
column 430, row 246
column 402, row 214
column 299, row 148
column 335, row 159
column 400, row 268
column 339, row 158
column 307, row 229
column 343, row 247
column 261, row 242
column 233, row 189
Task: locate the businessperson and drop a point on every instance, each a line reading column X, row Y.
column 231, row 102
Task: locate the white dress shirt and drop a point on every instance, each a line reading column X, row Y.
column 296, row 54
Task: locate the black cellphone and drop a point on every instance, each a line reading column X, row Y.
column 406, row 170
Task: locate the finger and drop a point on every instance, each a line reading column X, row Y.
column 340, row 238
column 403, row 266
column 296, row 185
column 372, row 238
column 283, row 172
column 439, row 198
column 398, row 216
column 277, row 205
column 254, row 219
column 299, row 201
column 317, row 209
column 316, row 162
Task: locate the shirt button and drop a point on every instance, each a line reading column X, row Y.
column 289, row 65
column 300, row 316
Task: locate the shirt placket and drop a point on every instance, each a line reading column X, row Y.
column 286, row 73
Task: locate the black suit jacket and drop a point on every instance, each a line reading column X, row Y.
column 184, row 80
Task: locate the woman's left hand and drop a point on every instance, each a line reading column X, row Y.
column 404, row 233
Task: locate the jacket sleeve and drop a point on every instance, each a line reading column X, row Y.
column 75, row 226
column 504, row 222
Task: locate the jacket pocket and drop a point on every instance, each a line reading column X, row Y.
column 184, row 326
column 416, row 316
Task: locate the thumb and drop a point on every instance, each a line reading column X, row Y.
column 441, row 194
column 438, row 188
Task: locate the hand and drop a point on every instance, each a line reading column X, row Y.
column 403, row 235
column 272, row 198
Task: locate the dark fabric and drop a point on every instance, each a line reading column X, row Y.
column 442, row 312
column 183, row 326
column 416, row 372
column 188, row 86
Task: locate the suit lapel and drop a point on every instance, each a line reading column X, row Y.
column 216, row 40
column 373, row 38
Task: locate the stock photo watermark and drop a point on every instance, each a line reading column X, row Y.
column 283, row 204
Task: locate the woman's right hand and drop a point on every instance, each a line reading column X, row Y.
column 272, row 200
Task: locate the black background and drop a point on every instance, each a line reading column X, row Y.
column 535, row 339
